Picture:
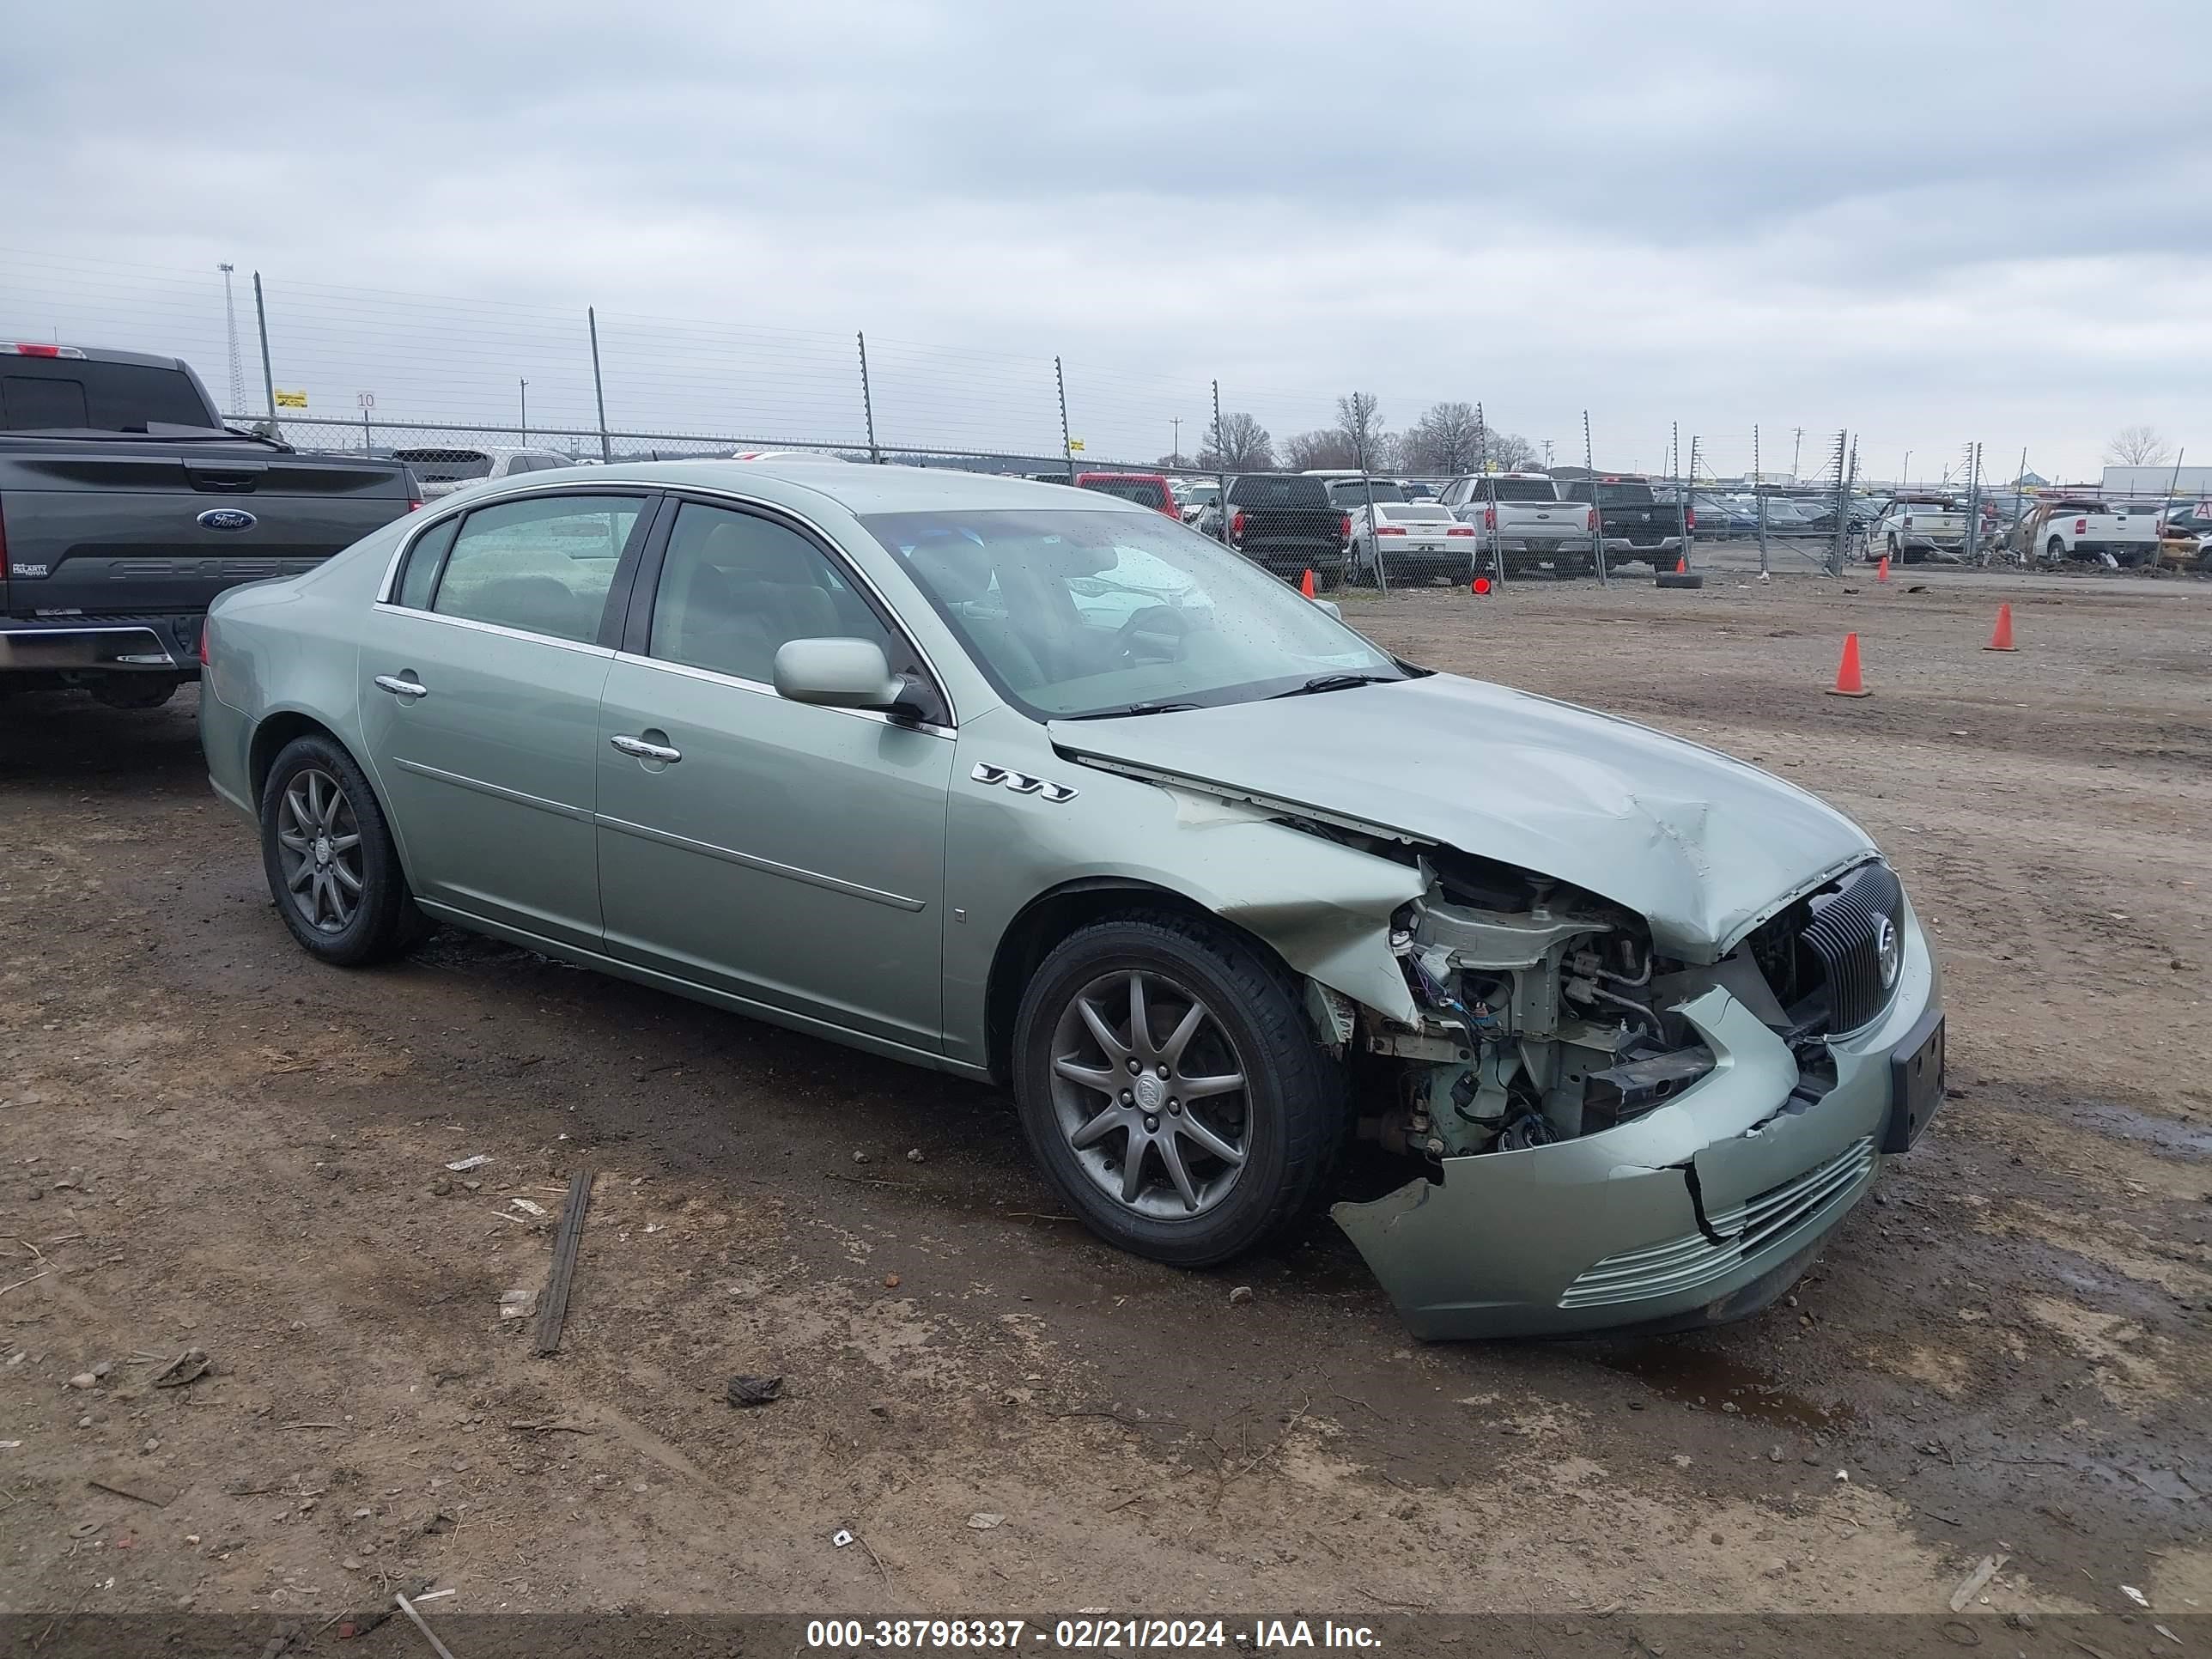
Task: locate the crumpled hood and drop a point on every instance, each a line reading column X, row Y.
column 1702, row 846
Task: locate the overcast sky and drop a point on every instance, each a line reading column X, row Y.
column 1924, row 222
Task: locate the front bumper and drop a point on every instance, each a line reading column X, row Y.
column 1701, row 1211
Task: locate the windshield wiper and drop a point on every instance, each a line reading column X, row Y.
column 1130, row 710
column 1338, row 683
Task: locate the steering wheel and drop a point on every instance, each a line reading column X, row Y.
column 1152, row 619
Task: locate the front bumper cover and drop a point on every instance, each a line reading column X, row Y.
column 1703, row 1210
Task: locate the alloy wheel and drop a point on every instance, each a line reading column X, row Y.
column 1159, row 1123
column 318, row 847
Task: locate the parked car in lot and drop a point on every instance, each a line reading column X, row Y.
column 1523, row 516
column 444, row 468
column 856, row 750
column 1145, row 489
column 1199, row 496
column 1410, row 541
column 1636, row 525
column 1284, row 522
column 126, row 505
column 2079, row 527
column 1911, row 528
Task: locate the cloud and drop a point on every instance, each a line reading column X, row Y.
column 1927, row 224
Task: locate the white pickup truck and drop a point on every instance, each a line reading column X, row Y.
column 1530, row 522
column 1910, row 528
column 2122, row 533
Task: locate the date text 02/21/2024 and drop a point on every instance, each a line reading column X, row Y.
column 1081, row 1634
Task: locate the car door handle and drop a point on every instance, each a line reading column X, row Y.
column 644, row 751
column 400, row 687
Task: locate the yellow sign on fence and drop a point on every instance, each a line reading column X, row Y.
column 291, row 399
column 1075, row 445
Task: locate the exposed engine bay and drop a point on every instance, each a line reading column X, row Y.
column 1545, row 1013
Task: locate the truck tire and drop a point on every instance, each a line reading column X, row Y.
column 2055, row 550
column 1098, row 1076
column 1689, row 579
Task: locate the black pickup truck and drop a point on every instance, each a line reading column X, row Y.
column 1636, row 525
column 126, row 506
column 1284, row 522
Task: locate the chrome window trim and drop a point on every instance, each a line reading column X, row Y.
column 586, row 646
column 679, row 492
column 434, row 515
column 738, row 683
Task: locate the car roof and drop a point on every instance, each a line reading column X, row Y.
column 859, row 490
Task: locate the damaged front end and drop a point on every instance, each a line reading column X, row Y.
column 1619, row 1137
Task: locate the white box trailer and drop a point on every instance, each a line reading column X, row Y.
column 2140, row 481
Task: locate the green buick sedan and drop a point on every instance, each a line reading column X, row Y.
column 1041, row 788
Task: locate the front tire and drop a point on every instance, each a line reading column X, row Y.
column 332, row 867
column 1169, row 1085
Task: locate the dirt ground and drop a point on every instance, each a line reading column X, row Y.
column 207, row 1140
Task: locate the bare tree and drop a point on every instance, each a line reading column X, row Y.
column 1308, row 451
column 1359, row 422
column 1238, row 444
column 1509, row 451
column 1442, row 440
column 2138, row 446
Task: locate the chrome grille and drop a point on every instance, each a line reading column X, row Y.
column 1844, row 933
column 1686, row 1263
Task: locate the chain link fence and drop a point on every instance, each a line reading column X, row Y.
column 463, row 389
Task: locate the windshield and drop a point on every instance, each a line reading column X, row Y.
column 1352, row 493
column 1414, row 513
column 1076, row 613
column 1523, row 489
column 1205, row 495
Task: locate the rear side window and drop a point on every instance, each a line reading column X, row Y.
column 37, row 393
column 419, row 578
column 542, row 566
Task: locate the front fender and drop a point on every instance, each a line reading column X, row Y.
column 1323, row 907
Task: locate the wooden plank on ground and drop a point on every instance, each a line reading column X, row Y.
column 565, row 1243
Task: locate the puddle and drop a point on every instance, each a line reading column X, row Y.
column 2161, row 1134
column 1698, row 1376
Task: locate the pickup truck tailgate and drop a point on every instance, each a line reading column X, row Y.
column 118, row 528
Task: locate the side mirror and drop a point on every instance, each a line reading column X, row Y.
column 836, row 673
column 1331, row 606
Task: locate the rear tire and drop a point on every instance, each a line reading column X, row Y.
column 2055, row 550
column 332, row 867
column 1077, row 1036
column 1686, row 579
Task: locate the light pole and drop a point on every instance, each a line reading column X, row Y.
column 526, row 410
column 1908, row 469
column 1175, row 455
column 237, row 366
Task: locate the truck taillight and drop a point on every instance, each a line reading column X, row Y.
column 1591, row 524
column 1236, row 525
column 1344, row 528
column 1689, row 518
column 1490, row 518
column 2081, row 526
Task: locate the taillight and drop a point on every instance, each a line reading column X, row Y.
column 1389, row 529
column 204, row 649
column 1461, row 530
column 1490, row 518
column 1689, row 518
column 414, row 506
column 32, row 349
column 2081, row 526
column 1591, row 525
column 1236, row 525
column 1344, row 527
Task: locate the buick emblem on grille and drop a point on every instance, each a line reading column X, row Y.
column 1886, row 953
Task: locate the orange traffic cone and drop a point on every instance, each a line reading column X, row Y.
column 1881, row 569
column 1305, row 584
column 1848, row 683
column 1682, row 564
column 2001, row 639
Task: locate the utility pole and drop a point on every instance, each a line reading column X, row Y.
column 1597, row 512
column 1547, row 454
column 1174, row 454
column 1796, row 448
column 1758, row 493
column 237, row 410
column 1908, row 469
